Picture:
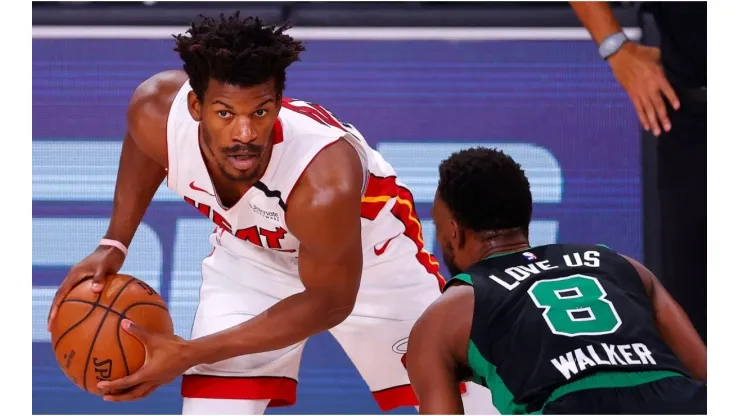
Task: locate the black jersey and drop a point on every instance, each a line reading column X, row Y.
column 560, row 318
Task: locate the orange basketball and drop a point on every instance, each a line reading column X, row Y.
column 87, row 337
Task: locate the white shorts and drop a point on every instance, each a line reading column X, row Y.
column 397, row 286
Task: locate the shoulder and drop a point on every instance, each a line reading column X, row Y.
column 453, row 308
column 649, row 281
column 327, row 197
column 447, row 323
column 334, row 174
column 149, row 109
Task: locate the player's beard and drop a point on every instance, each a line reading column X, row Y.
column 253, row 150
column 448, row 257
column 219, row 155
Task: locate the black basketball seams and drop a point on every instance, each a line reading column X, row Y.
column 54, row 348
column 97, row 331
column 121, row 317
column 115, row 311
column 143, row 303
column 108, row 309
column 84, row 279
column 94, row 305
column 120, row 344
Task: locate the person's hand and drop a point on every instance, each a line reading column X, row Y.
column 638, row 70
column 103, row 262
column 165, row 361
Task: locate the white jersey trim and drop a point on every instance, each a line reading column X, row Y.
column 172, row 124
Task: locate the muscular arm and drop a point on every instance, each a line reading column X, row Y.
column 324, row 214
column 140, row 171
column 674, row 326
column 144, row 153
column 437, row 351
column 597, row 17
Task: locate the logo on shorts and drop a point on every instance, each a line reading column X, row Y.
column 529, row 256
column 401, row 346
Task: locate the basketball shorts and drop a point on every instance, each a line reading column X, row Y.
column 398, row 284
column 673, row 395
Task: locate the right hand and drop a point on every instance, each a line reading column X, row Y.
column 638, row 70
column 103, row 262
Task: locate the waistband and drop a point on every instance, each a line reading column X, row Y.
column 610, row 379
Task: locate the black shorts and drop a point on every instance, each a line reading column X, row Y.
column 671, row 395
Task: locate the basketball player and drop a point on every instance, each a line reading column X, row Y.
column 313, row 231
column 556, row 329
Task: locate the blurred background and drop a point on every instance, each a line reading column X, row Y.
column 523, row 77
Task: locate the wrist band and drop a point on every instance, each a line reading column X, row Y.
column 113, row 243
column 611, row 44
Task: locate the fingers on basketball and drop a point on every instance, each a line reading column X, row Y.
column 89, row 343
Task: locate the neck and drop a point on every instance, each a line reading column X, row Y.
column 503, row 244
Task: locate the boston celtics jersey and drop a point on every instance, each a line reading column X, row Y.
column 560, row 318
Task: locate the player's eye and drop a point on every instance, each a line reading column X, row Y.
column 223, row 113
column 260, row 113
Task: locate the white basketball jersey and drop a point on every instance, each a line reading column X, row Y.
column 255, row 226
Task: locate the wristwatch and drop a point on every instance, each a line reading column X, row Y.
column 612, row 44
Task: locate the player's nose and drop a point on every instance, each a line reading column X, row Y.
column 243, row 130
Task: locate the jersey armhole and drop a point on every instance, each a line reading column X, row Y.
column 171, row 135
column 462, row 277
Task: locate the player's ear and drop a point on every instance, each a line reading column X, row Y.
column 278, row 103
column 458, row 234
column 194, row 106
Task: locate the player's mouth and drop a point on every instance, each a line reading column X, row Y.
column 243, row 162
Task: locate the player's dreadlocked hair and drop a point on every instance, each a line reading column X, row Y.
column 237, row 51
column 486, row 190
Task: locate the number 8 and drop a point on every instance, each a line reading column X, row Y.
column 561, row 298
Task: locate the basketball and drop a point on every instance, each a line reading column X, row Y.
column 87, row 337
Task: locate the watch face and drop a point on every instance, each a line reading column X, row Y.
column 611, row 44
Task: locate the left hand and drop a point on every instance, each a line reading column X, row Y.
column 639, row 71
column 164, row 362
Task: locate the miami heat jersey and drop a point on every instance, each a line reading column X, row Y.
column 255, row 226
